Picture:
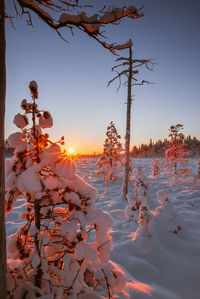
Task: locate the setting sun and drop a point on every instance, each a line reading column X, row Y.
column 70, row 150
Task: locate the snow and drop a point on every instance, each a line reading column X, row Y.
column 123, row 46
column 51, row 183
column 33, row 84
column 14, row 138
column 65, row 168
column 21, row 121
column 164, row 265
column 28, row 181
column 69, row 18
column 21, row 146
column 45, row 123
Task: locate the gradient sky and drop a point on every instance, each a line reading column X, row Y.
column 72, row 78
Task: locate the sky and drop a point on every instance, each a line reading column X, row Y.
column 72, row 77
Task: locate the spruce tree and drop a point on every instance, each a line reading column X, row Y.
column 110, row 162
column 63, row 247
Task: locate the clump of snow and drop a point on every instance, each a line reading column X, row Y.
column 51, row 183
column 123, row 46
column 69, row 18
column 14, row 138
column 45, row 122
column 65, row 168
column 21, row 146
column 21, row 121
column 28, row 181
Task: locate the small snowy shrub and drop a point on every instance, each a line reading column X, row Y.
column 176, row 152
column 155, row 167
column 62, row 250
column 145, row 219
column 198, row 168
column 131, row 210
column 140, row 193
column 141, row 184
column 111, row 161
column 165, row 213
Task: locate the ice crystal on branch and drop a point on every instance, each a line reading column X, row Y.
column 62, row 250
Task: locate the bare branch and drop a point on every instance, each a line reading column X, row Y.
column 142, row 82
column 122, row 58
column 90, row 25
column 11, row 21
column 121, row 64
column 135, row 64
column 118, row 76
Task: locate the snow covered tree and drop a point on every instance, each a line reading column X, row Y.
column 176, row 152
column 62, row 250
column 128, row 67
column 57, row 14
column 110, row 162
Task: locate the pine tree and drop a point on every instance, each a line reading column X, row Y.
column 110, row 162
column 176, row 152
column 63, row 248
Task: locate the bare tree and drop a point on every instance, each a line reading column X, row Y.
column 56, row 14
column 128, row 68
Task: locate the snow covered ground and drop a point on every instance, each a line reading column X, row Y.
column 165, row 265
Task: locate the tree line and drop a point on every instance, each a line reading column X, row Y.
column 157, row 149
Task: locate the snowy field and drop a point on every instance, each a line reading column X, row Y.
column 165, row 264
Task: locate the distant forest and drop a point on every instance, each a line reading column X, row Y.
column 157, row 149
column 153, row 149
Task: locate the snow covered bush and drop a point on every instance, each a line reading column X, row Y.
column 155, row 167
column 141, row 184
column 176, row 152
column 135, row 200
column 62, row 250
column 132, row 209
column 198, row 168
column 111, row 160
column 145, row 221
column 165, row 213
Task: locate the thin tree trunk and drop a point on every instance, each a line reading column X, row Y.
column 2, row 151
column 128, row 127
column 39, row 271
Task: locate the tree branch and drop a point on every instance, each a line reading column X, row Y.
column 90, row 25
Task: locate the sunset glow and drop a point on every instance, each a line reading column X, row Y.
column 70, row 150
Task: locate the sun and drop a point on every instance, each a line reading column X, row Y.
column 70, row 150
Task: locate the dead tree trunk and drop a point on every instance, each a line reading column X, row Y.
column 128, row 128
column 129, row 68
column 2, row 151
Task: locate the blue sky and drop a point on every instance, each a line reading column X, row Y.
column 73, row 77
